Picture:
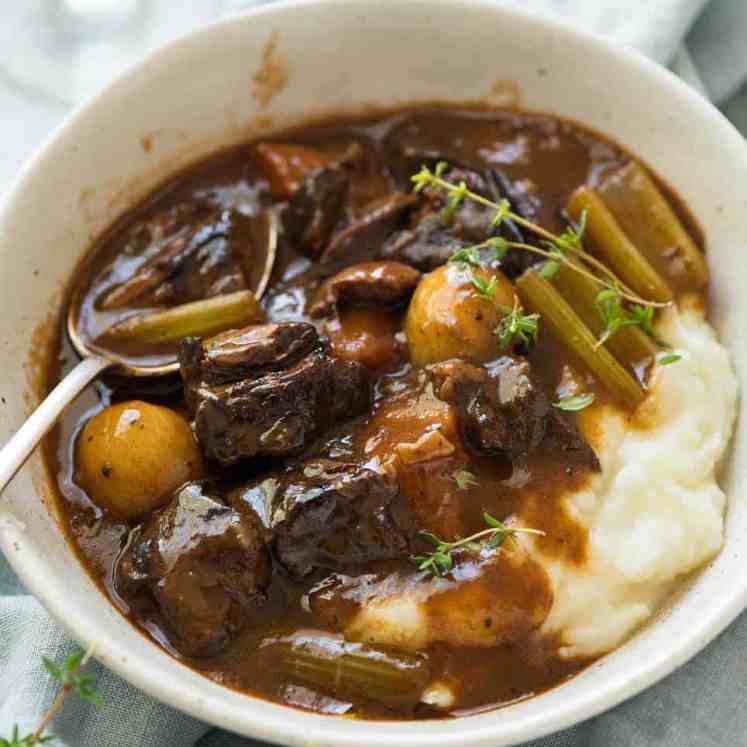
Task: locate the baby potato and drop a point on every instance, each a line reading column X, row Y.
column 131, row 456
column 447, row 318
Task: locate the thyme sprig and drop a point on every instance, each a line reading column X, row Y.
column 616, row 316
column 483, row 254
column 574, row 402
column 441, row 560
column 564, row 249
column 73, row 680
column 464, row 478
column 18, row 741
column 516, row 326
column 668, row 358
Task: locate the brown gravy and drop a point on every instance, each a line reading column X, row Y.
column 549, row 158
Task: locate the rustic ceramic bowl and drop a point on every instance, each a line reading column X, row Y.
column 280, row 65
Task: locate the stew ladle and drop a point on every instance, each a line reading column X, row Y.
column 95, row 359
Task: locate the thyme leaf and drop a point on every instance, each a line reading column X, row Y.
column 616, row 316
column 516, row 326
column 574, row 403
column 668, row 358
column 464, row 479
column 441, row 560
column 73, row 680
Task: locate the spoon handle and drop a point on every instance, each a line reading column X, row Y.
column 14, row 454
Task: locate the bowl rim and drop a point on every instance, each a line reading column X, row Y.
column 30, row 567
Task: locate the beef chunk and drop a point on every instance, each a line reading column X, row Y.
column 330, row 515
column 344, row 209
column 502, row 409
column 243, row 354
column 471, row 221
column 364, row 236
column 201, row 564
column 431, row 240
column 186, row 253
column 267, row 389
column 316, row 208
column 381, row 284
column 427, row 245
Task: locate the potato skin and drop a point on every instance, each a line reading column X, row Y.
column 131, row 456
column 447, row 318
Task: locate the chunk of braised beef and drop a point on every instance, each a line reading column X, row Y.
column 433, row 238
column 345, row 209
column 186, row 253
column 268, row 390
column 243, row 353
column 330, row 515
column 426, row 245
column 366, row 233
column 526, row 205
column 200, row 565
column 503, row 409
column 316, row 208
column 382, row 284
column 471, row 221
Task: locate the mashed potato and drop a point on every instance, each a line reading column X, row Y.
column 655, row 512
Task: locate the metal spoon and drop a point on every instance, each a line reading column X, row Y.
column 96, row 360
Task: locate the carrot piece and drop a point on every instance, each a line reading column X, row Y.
column 286, row 165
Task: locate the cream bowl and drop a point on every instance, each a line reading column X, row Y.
column 280, row 65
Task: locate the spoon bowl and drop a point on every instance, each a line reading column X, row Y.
column 96, row 358
column 257, row 274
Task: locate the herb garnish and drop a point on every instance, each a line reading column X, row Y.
column 73, row 680
column 564, row 249
column 515, row 326
column 574, row 403
column 441, row 559
column 667, row 358
column 485, row 288
column 480, row 255
column 616, row 316
column 571, row 237
column 464, row 478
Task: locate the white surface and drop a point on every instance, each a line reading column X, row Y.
column 435, row 44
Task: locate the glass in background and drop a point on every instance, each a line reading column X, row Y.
column 66, row 50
